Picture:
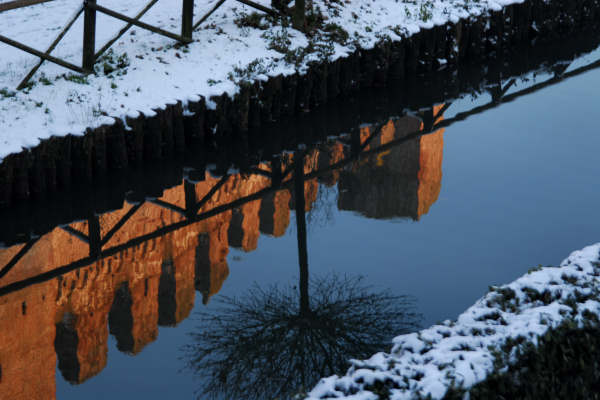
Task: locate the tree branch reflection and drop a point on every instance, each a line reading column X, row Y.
column 265, row 344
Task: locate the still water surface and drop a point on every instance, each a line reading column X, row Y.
column 390, row 237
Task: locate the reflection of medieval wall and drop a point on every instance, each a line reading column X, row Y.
column 129, row 294
column 403, row 181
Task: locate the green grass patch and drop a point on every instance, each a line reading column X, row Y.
column 76, row 78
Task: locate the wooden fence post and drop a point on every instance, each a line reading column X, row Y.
column 89, row 36
column 187, row 19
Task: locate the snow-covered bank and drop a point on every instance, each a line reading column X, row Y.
column 463, row 352
column 145, row 72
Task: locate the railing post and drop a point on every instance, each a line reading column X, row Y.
column 94, row 235
column 187, row 19
column 299, row 15
column 89, row 36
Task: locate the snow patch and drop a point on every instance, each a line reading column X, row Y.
column 153, row 72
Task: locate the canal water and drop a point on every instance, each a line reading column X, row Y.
column 311, row 242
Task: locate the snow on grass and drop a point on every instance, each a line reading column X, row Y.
column 147, row 71
column 483, row 338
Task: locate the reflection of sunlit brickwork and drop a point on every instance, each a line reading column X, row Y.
column 27, row 357
column 275, row 213
column 52, row 250
column 153, row 283
column 244, row 228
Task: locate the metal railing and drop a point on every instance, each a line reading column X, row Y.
column 89, row 9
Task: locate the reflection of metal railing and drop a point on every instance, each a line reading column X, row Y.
column 281, row 177
column 89, row 9
column 278, row 174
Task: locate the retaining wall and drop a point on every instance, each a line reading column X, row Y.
column 60, row 163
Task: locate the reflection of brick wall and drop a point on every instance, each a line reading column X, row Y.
column 135, row 289
column 130, row 293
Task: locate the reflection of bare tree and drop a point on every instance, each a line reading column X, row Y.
column 266, row 344
column 273, row 343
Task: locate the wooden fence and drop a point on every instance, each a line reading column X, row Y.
column 89, row 9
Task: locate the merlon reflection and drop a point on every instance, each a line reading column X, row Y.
column 125, row 273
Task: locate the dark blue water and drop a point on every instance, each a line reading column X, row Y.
column 518, row 189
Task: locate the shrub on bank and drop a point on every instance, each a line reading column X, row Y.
column 564, row 365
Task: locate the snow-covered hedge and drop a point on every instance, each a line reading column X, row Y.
column 487, row 338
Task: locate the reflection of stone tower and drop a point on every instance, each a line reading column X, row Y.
column 275, row 213
column 402, row 181
column 245, row 224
